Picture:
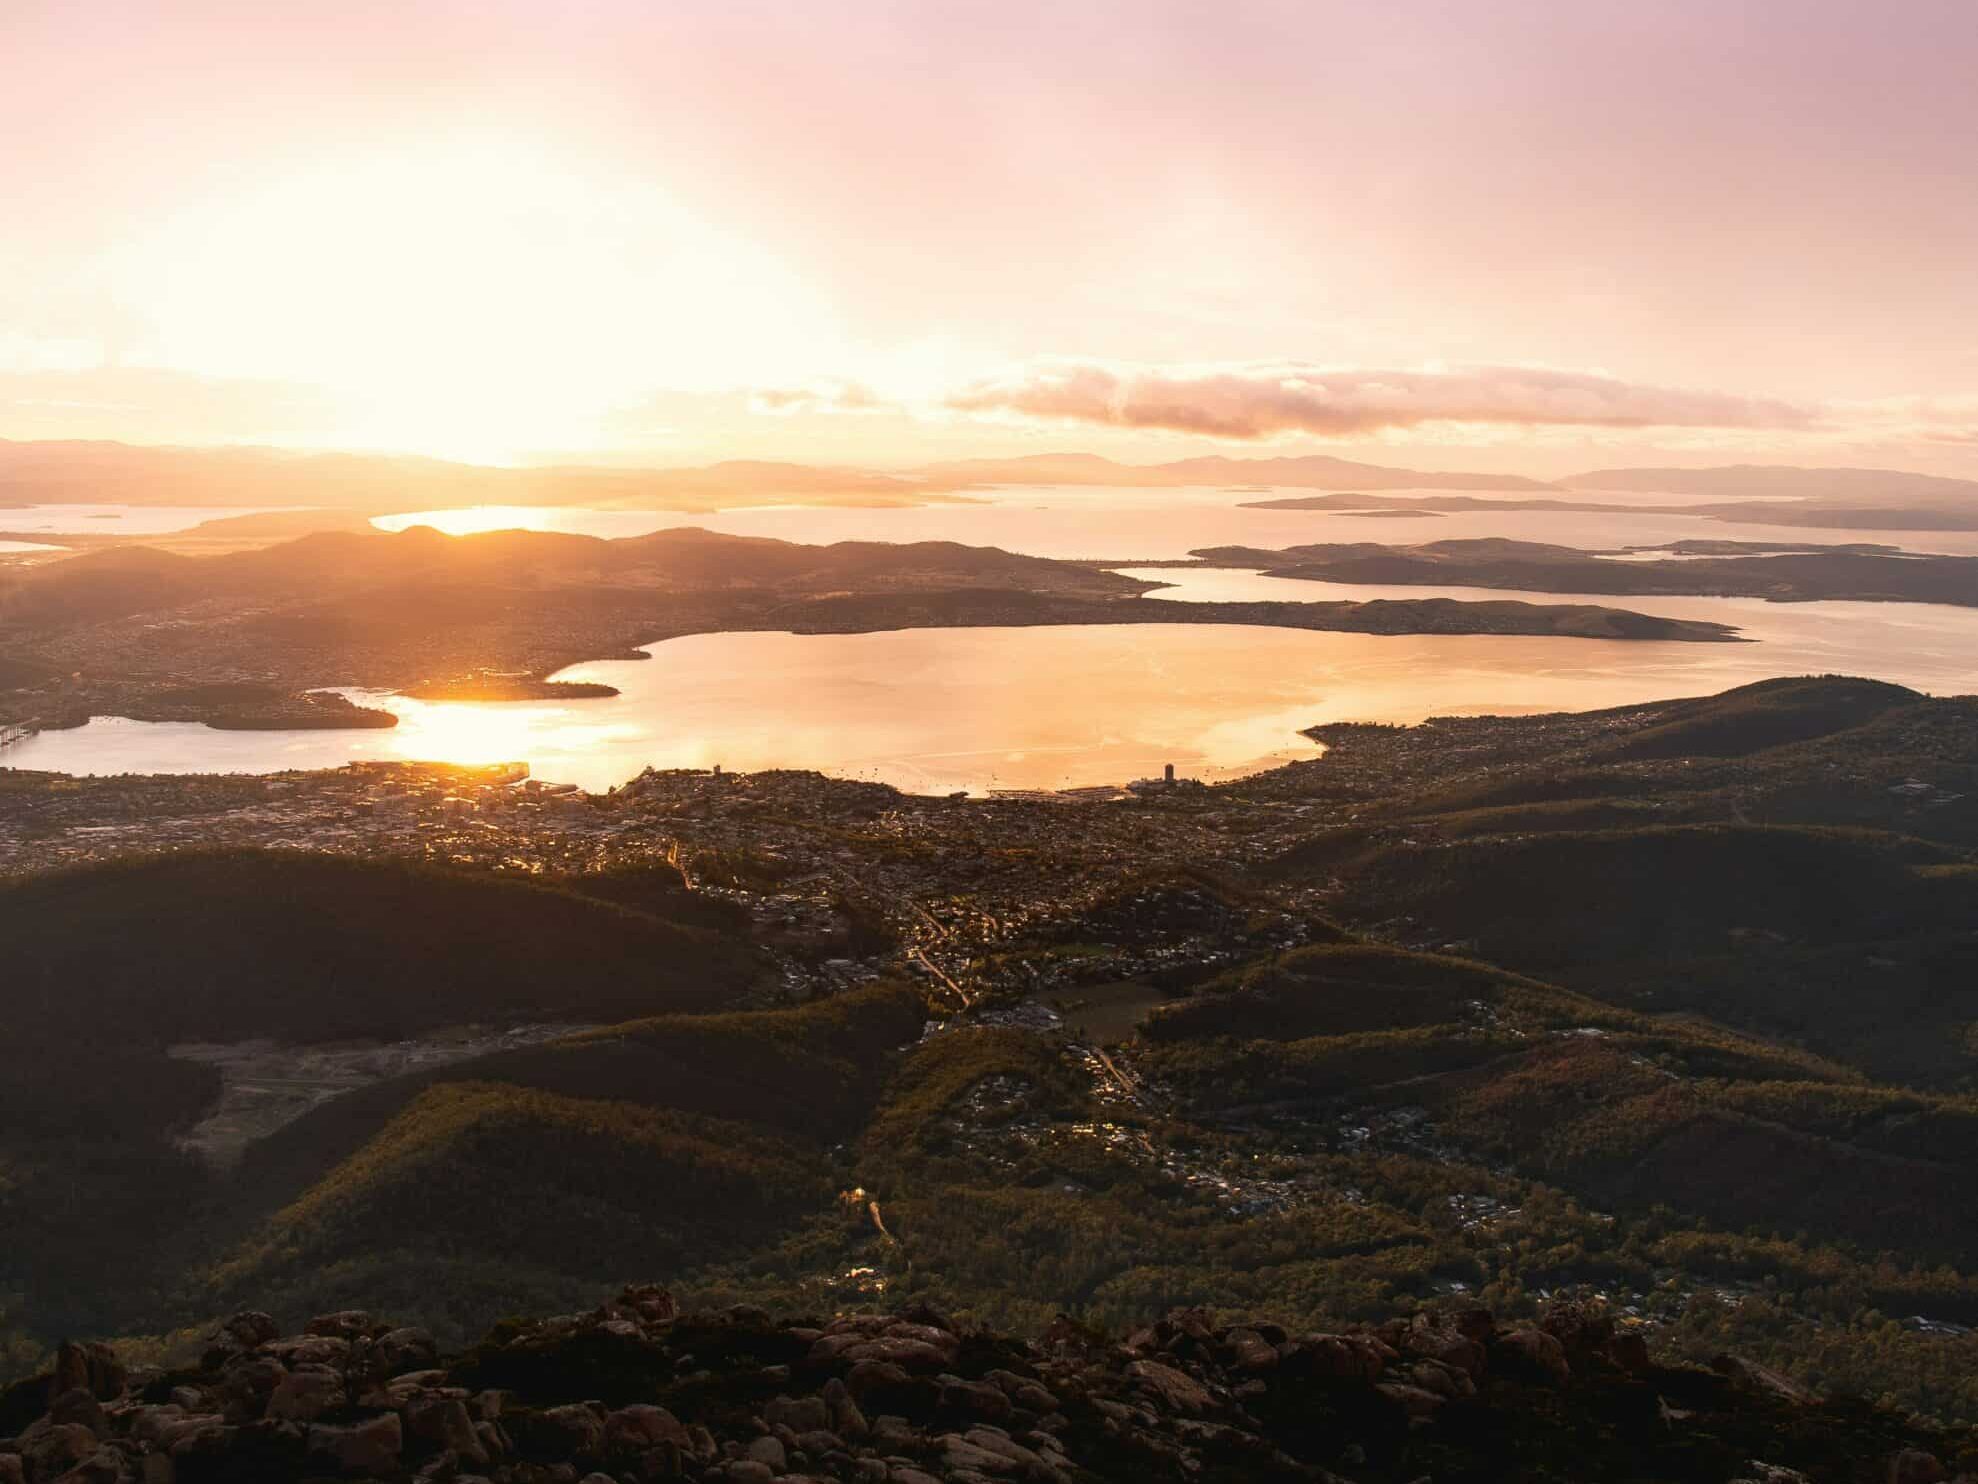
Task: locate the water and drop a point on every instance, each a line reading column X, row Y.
column 1930, row 646
column 944, row 709
column 976, row 709
column 119, row 520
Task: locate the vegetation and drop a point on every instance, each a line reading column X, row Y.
column 477, row 1193
column 306, row 947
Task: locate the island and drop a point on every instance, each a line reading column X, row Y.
column 1790, row 573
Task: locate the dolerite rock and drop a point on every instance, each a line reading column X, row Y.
column 399, row 1350
column 1914, row 1466
column 1170, row 1389
column 250, row 1328
column 1537, row 1353
column 306, row 1393
column 345, row 1324
column 636, row 1391
column 93, row 1368
column 371, row 1447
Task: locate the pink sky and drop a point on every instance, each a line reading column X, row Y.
column 1487, row 233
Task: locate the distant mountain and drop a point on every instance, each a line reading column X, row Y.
column 1300, row 471
column 374, row 570
column 1035, row 468
column 1323, row 469
column 1870, row 487
column 122, row 473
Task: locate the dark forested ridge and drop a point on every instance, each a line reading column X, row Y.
column 230, row 945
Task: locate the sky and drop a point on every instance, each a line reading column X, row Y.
column 1497, row 234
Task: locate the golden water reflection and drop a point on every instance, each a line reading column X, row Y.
column 945, row 709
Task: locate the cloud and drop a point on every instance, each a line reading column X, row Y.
column 150, row 405
column 829, row 396
column 22, row 354
column 1943, row 419
column 1265, row 400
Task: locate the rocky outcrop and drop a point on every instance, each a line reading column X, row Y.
column 636, row 1391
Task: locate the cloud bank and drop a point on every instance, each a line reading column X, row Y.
column 826, row 396
column 1268, row 400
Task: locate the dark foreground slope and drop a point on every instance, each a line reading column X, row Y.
column 634, row 1391
column 233, row 944
column 107, row 967
column 524, row 1177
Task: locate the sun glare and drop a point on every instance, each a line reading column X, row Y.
column 470, row 298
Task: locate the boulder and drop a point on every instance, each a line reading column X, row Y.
column 1914, row 1466
column 1582, row 1330
column 768, row 1450
column 1174, row 1390
column 974, row 1399
column 93, row 1367
column 1536, row 1353
column 306, row 1393
column 446, row 1423
column 369, row 1447
column 105, row 1466
column 799, row 1414
column 561, row 1432
column 249, row 1385
column 55, row 1447
column 1416, row 1401
column 399, row 1350
column 642, row 1426
column 900, row 1350
column 1441, row 1338
column 344, row 1324
column 1629, row 1351
column 250, row 1328
column 1337, row 1357
column 847, row 1418
column 81, row 1407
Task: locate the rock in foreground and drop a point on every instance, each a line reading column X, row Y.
column 638, row 1391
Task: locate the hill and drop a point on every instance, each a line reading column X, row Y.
column 1863, row 487
column 1802, row 574
column 540, row 1170
column 108, row 966
column 1755, row 718
column 64, row 472
column 309, row 947
column 1296, row 471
